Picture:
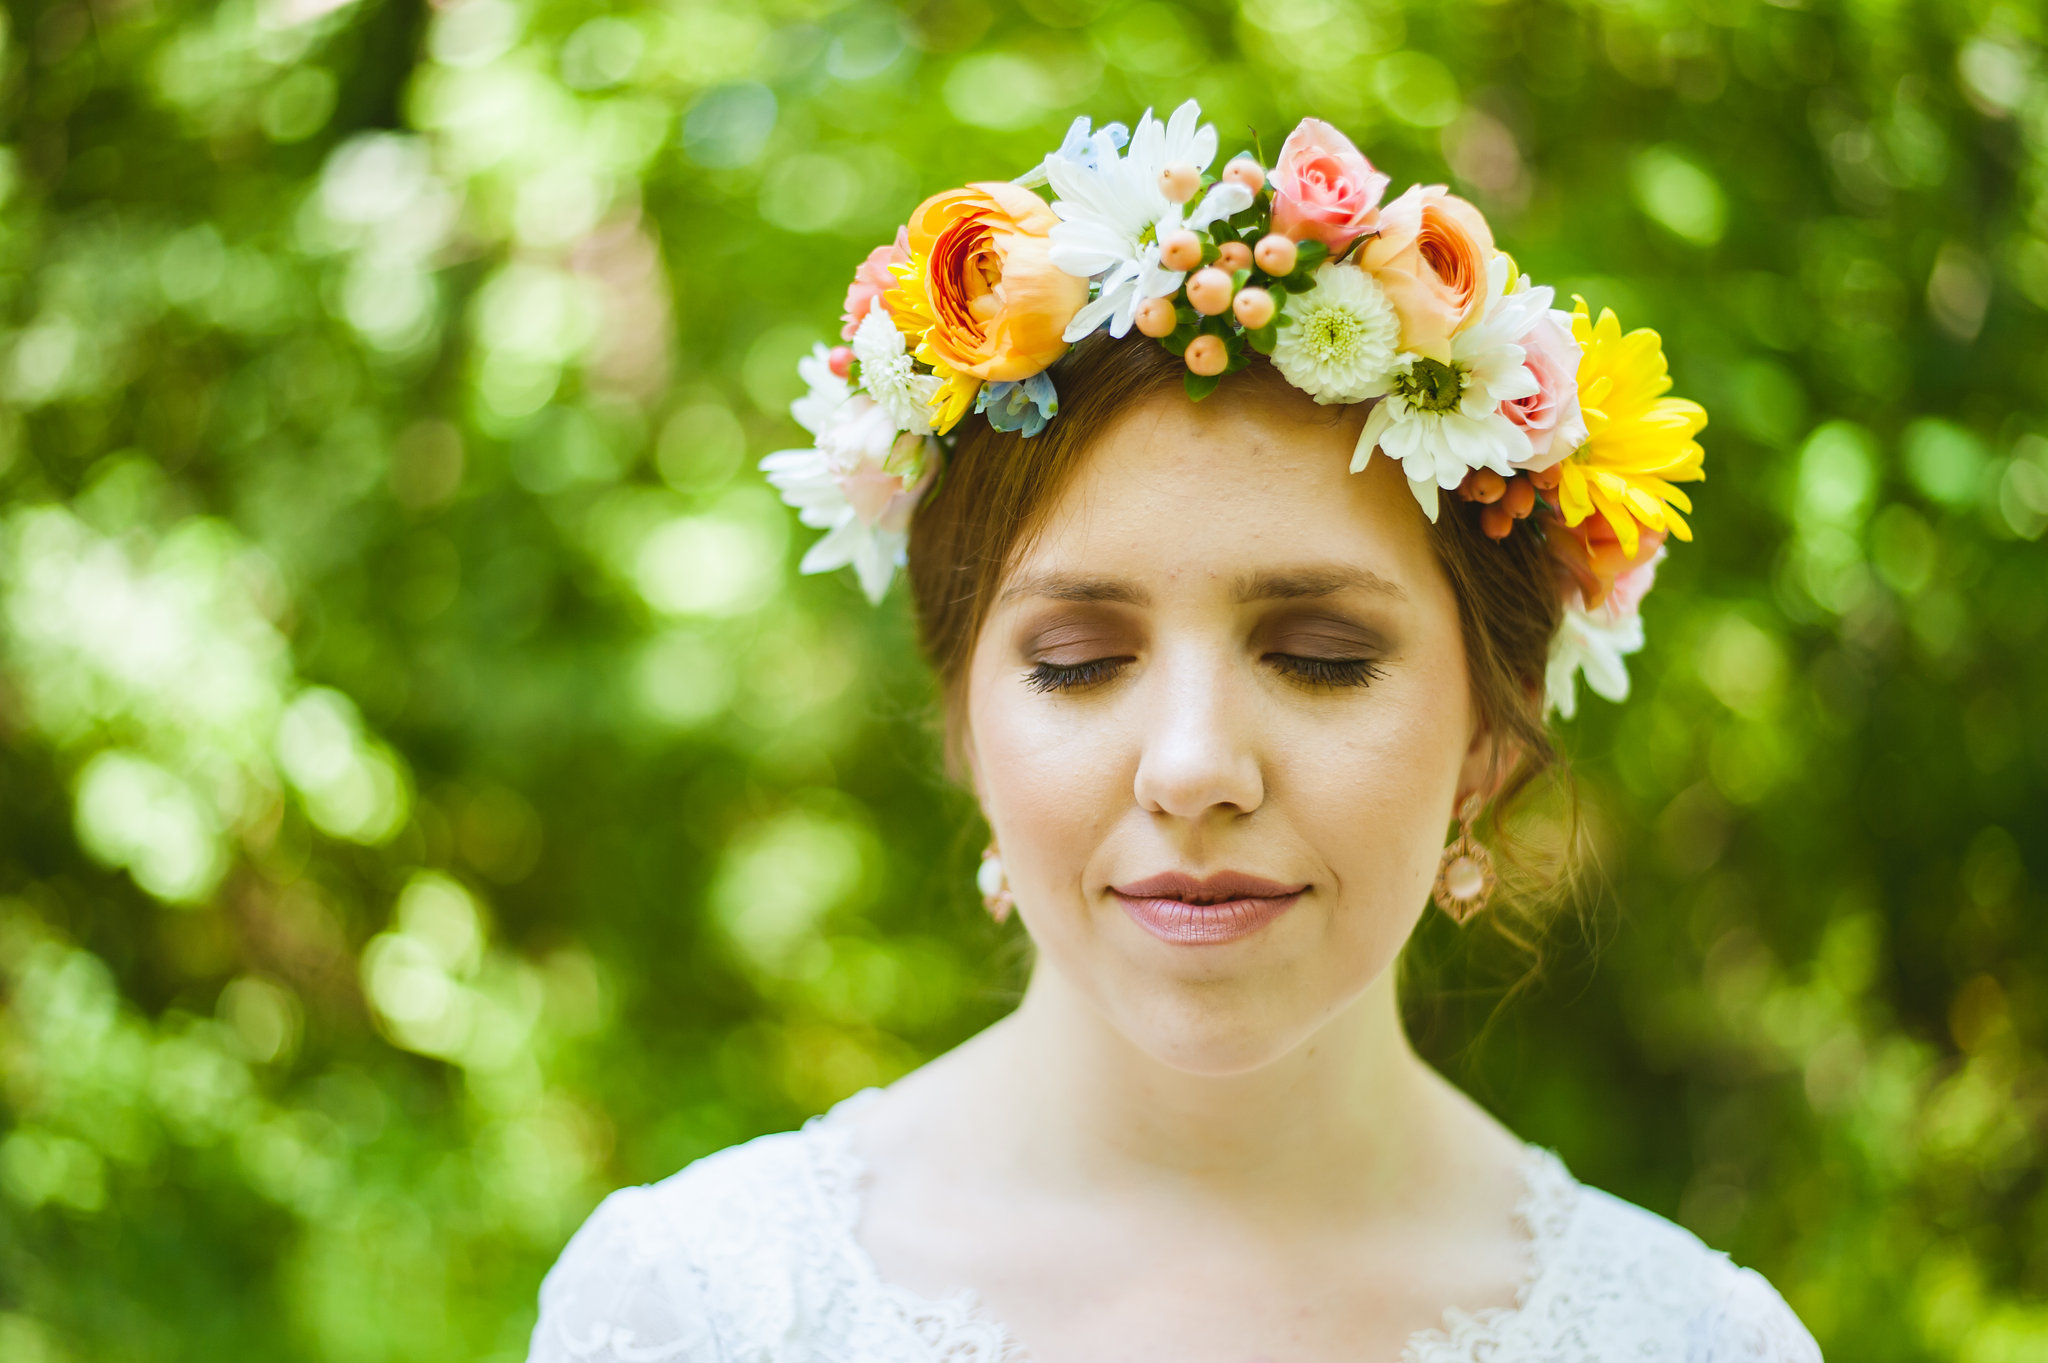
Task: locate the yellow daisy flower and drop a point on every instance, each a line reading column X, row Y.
column 1638, row 441
column 910, row 306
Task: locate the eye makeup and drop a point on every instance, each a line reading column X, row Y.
column 1071, row 649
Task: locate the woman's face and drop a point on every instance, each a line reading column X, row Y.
column 1218, row 719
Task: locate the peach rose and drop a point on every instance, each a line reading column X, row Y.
column 993, row 302
column 1592, row 558
column 871, row 281
column 1551, row 417
column 1323, row 187
column 1431, row 256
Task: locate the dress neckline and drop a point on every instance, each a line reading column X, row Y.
column 967, row 1333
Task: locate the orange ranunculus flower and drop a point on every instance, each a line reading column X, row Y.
column 1431, row 256
column 1592, row 557
column 980, row 295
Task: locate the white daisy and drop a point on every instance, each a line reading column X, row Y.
column 889, row 376
column 1341, row 337
column 860, row 484
column 1594, row 642
column 1113, row 215
column 824, row 391
column 1441, row 421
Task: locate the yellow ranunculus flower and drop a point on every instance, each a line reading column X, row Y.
column 1638, row 441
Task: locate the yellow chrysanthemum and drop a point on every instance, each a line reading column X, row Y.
column 910, row 307
column 1638, row 441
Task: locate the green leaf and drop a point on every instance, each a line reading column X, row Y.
column 1200, row 386
column 1308, row 255
column 1266, row 337
column 1238, row 278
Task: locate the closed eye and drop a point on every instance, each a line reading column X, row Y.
column 1074, row 676
column 1327, row 672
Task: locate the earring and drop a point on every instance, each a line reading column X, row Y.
column 994, row 885
column 1464, row 873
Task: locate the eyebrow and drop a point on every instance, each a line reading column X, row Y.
column 1298, row 584
column 1285, row 584
column 1072, row 587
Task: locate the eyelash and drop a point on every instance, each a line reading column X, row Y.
column 1322, row 672
column 1072, row 676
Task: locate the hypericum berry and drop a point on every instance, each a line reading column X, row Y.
column 1254, row 307
column 1520, row 498
column 1234, row 255
column 1276, row 254
column 1483, row 485
column 1208, row 355
column 1496, row 521
column 839, row 359
column 1155, row 317
column 1243, row 170
column 1179, row 181
column 1547, row 479
column 1209, row 291
column 1180, row 250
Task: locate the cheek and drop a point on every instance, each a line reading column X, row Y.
column 1053, row 780
column 1367, row 800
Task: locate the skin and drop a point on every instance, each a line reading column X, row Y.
column 1228, row 1152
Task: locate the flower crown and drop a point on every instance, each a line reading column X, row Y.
column 1483, row 389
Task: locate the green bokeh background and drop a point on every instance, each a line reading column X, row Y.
column 429, row 798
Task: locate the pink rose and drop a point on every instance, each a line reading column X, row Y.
column 1431, row 256
column 1323, row 187
column 1551, row 417
column 872, row 280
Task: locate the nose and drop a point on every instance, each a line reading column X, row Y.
column 1200, row 755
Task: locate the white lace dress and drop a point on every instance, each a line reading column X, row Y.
column 749, row 1256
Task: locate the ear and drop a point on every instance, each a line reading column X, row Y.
column 1490, row 758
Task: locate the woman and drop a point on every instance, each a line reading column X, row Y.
column 1219, row 679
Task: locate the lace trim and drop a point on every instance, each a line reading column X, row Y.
column 959, row 1328
column 1549, row 1197
column 955, row 1328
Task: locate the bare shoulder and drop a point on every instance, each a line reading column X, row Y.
column 1632, row 1260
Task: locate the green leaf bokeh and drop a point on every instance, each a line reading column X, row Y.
column 430, row 797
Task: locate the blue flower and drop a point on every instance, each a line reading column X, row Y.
column 1020, row 405
column 1086, row 149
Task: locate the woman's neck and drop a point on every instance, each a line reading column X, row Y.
column 1069, row 1099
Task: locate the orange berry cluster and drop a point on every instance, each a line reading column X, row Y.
column 1503, row 501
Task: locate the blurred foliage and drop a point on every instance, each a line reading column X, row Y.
column 429, row 798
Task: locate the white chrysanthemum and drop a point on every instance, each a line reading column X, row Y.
column 1341, row 337
column 1441, row 421
column 889, row 375
column 1593, row 642
column 1113, row 215
column 859, row 484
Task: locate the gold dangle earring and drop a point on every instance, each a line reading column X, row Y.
column 1464, row 873
column 994, row 885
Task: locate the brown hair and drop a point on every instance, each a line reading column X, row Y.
column 997, row 488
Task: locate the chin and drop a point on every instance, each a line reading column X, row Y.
column 1222, row 1027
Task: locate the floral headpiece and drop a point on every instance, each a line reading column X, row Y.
column 1539, row 417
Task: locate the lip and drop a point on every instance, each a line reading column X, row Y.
column 1187, row 910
